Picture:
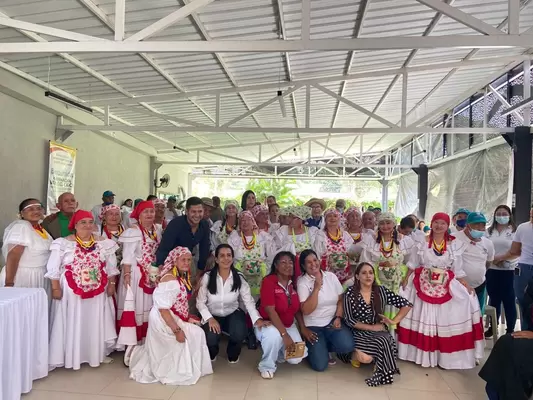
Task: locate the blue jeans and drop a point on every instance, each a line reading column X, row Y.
column 520, row 284
column 329, row 340
column 273, row 347
column 501, row 290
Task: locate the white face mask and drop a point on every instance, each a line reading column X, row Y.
column 502, row 219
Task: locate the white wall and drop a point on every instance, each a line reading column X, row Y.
column 102, row 164
column 178, row 177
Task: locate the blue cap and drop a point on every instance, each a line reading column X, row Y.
column 461, row 211
column 476, row 218
column 108, row 193
column 172, row 198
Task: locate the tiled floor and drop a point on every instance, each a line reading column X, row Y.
column 242, row 381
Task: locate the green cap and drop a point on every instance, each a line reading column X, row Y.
column 476, row 218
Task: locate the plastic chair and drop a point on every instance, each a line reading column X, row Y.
column 491, row 312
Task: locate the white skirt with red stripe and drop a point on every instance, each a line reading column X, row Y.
column 449, row 335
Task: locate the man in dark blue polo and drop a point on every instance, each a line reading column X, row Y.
column 187, row 230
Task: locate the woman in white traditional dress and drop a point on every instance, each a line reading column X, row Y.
column 175, row 351
column 444, row 327
column 388, row 253
column 139, row 271
column 297, row 237
column 254, row 250
column 160, row 207
column 26, row 248
column 262, row 219
column 221, row 229
column 82, row 268
column 354, row 226
column 332, row 245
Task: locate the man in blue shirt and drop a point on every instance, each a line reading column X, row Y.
column 317, row 208
column 188, row 231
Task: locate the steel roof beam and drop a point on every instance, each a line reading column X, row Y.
column 462, row 17
column 289, row 165
column 45, row 30
column 169, row 97
column 163, row 23
column 348, row 131
column 357, row 107
column 272, row 46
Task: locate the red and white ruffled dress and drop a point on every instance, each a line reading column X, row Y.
column 138, row 251
column 162, row 358
column 82, row 322
column 444, row 328
column 333, row 255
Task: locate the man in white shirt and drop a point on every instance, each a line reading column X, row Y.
column 108, row 198
column 522, row 248
column 478, row 254
column 459, row 220
column 171, row 211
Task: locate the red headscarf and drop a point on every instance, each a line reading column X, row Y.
column 77, row 217
column 143, row 205
column 442, row 217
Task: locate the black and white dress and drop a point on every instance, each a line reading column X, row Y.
column 380, row 345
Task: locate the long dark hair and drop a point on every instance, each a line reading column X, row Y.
column 212, row 282
column 303, row 256
column 276, row 261
column 378, row 308
column 395, row 239
column 495, row 224
column 245, row 197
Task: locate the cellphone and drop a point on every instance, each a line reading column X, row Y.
column 517, row 271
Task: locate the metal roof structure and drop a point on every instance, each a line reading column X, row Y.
column 267, row 86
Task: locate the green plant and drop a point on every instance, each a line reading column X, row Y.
column 281, row 189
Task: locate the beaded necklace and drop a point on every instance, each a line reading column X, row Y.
column 86, row 246
column 40, row 231
column 337, row 238
column 251, row 244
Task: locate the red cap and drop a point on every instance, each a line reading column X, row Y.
column 77, row 217
column 143, row 205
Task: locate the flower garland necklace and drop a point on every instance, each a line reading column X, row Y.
column 186, row 281
column 386, row 250
column 88, row 245
column 152, row 234
column 111, row 235
column 337, row 238
column 40, row 231
column 251, row 244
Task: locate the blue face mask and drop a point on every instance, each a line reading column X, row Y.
column 461, row 223
column 476, row 234
column 503, row 219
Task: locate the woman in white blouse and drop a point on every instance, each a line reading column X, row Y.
column 320, row 294
column 500, row 275
column 26, row 248
column 218, row 299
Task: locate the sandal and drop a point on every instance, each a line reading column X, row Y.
column 127, row 355
column 267, row 375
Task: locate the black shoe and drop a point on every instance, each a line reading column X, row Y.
column 252, row 341
column 488, row 333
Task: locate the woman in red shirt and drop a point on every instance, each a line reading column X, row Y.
column 280, row 305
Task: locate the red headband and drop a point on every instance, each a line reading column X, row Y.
column 143, row 205
column 441, row 216
column 77, row 217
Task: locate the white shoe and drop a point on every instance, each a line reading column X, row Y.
column 267, row 375
column 234, row 362
column 214, row 359
column 108, row 360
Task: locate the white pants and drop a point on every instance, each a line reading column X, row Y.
column 273, row 347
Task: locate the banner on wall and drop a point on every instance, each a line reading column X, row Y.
column 61, row 173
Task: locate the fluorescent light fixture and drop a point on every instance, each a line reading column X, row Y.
column 282, row 104
column 67, row 101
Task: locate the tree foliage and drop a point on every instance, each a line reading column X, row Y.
column 281, row 189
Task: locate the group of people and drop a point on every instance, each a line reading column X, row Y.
column 301, row 281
